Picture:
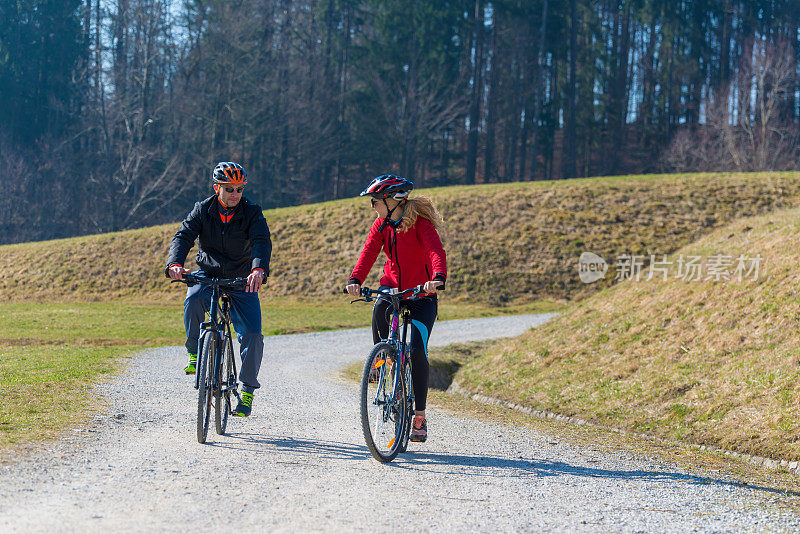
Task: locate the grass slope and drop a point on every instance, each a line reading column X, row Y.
column 505, row 242
column 713, row 362
column 71, row 308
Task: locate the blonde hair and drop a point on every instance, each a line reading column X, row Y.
column 421, row 205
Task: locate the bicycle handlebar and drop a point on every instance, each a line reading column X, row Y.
column 232, row 283
column 369, row 294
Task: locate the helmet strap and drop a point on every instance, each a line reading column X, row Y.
column 217, row 190
column 219, row 197
column 388, row 219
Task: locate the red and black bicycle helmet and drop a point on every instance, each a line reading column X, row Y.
column 388, row 186
column 228, row 172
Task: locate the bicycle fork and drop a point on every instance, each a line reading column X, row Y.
column 216, row 358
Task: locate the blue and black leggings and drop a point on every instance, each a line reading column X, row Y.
column 423, row 315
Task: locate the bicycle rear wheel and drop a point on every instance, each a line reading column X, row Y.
column 205, row 370
column 383, row 403
column 222, row 400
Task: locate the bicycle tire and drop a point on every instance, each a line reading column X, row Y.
column 382, row 419
column 409, row 407
column 222, row 401
column 205, row 384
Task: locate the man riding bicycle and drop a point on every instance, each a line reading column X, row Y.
column 233, row 241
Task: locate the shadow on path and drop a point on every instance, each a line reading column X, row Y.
column 313, row 452
column 494, row 466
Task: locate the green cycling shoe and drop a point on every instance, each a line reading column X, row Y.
column 244, row 406
column 192, row 367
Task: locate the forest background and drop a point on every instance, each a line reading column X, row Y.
column 113, row 112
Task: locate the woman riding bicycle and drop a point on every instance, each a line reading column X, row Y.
column 407, row 231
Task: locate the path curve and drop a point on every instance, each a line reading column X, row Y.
column 299, row 462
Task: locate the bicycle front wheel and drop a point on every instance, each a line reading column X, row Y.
column 383, row 403
column 222, row 398
column 409, row 405
column 205, row 370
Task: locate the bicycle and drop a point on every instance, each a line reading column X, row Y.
column 387, row 392
column 216, row 377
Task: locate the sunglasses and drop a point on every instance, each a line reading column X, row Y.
column 373, row 202
column 232, row 189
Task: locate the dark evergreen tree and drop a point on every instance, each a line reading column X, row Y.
column 42, row 47
column 141, row 97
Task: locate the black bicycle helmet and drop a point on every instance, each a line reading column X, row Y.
column 388, row 186
column 228, row 172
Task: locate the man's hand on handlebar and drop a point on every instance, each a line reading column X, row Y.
column 255, row 280
column 176, row 272
column 354, row 290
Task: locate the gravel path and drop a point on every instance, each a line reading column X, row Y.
column 299, row 462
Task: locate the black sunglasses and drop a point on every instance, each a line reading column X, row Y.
column 231, row 189
column 373, row 202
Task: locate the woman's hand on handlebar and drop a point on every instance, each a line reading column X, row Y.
column 176, row 272
column 354, row 290
column 431, row 286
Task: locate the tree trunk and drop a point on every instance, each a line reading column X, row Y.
column 569, row 159
column 493, row 58
column 538, row 90
column 475, row 97
column 619, row 99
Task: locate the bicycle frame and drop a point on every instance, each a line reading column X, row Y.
column 221, row 328
column 216, row 330
column 399, row 341
column 222, row 331
column 392, row 397
column 401, row 347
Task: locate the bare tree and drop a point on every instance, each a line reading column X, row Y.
column 37, row 200
column 137, row 175
column 748, row 124
column 18, row 174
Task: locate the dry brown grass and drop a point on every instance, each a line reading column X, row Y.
column 711, row 362
column 505, row 242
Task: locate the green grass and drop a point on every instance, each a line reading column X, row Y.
column 92, row 323
column 47, row 388
column 51, row 354
column 152, row 325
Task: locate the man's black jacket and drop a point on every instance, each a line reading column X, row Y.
column 225, row 250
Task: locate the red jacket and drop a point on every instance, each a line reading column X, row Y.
column 413, row 257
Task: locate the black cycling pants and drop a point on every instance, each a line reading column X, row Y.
column 423, row 314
